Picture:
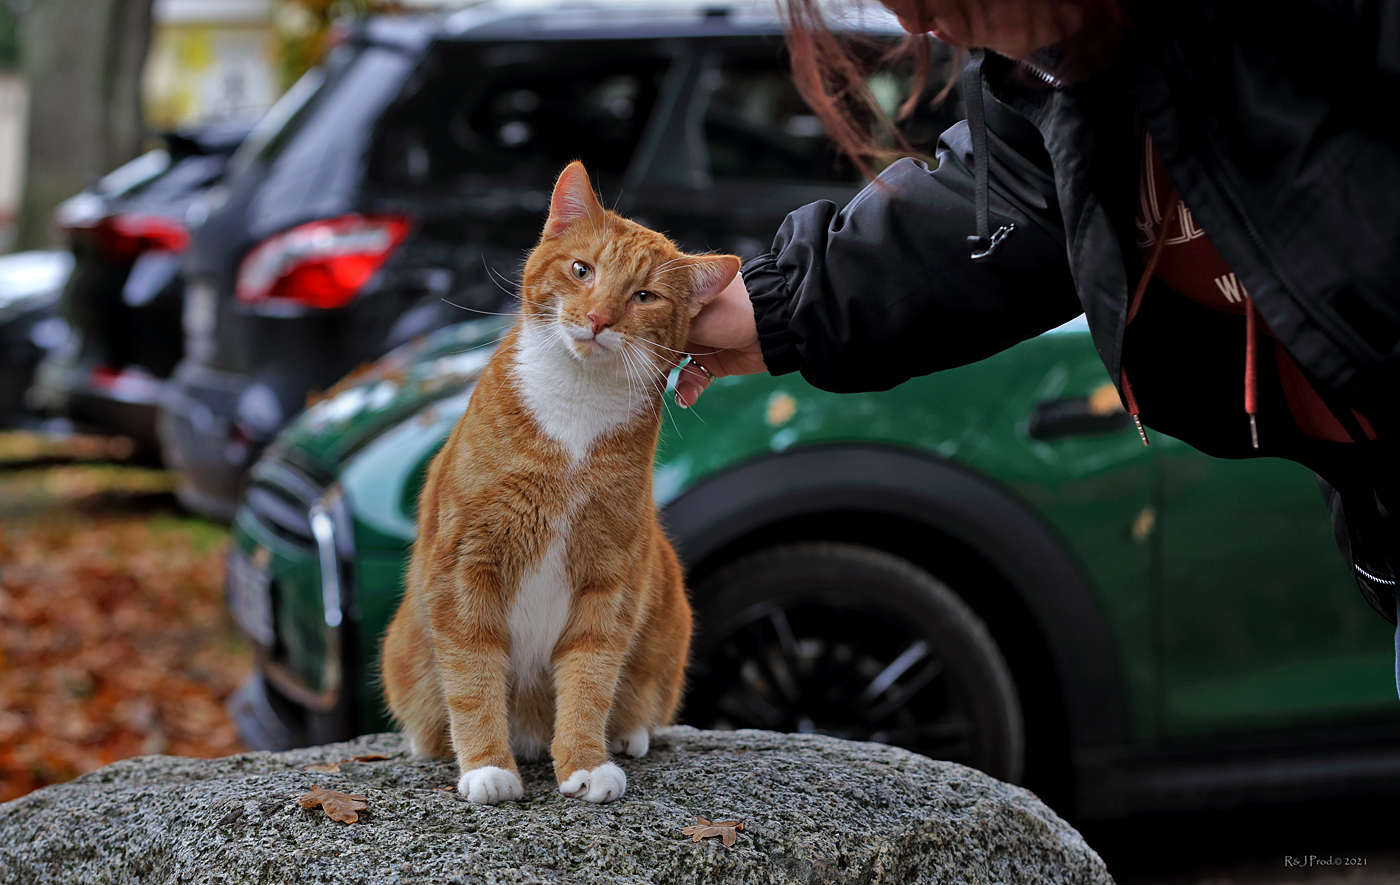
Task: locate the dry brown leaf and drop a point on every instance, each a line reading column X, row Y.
column 369, row 757
column 707, row 829
column 114, row 637
column 329, row 766
column 337, row 806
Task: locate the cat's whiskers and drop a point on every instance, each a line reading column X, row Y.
column 685, row 353
column 481, row 345
column 663, row 378
column 651, row 343
column 629, row 362
column 661, row 375
column 654, row 395
column 641, row 347
column 498, row 278
column 691, row 408
column 627, row 368
column 489, row 313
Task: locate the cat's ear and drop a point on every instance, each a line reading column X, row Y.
column 709, row 274
column 573, row 200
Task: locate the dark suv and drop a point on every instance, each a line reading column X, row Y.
column 398, row 187
column 121, row 304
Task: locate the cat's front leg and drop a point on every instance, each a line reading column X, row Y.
column 587, row 663
column 473, row 654
column 476, row 711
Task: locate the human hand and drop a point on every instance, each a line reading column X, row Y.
column 723, row 341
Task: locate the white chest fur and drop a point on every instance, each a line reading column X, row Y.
column 540, row 611
column 574, row 401
column 537, row 620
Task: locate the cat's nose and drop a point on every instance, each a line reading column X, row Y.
column 600, row 322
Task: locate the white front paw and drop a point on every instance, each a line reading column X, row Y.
column 635, row 743
column 489, row 786
column 606, row 783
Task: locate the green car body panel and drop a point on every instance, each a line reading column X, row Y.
column 1226, row 606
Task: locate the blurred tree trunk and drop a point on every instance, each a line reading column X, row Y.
column 83, row 60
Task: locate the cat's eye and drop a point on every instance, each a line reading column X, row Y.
column 581, row 271
column 643, row 297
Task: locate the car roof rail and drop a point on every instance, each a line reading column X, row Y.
column 529, row 18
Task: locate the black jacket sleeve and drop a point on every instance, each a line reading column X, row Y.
column 866, row 297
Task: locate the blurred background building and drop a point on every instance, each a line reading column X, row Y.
column 209, row 60
column 14, row 106
column 86, row 85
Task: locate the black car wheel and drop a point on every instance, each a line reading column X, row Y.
column 853, row 642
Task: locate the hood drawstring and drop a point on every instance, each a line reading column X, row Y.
column 1130, row 401
column 1251, row 375
column 1251, row 356
column 985, row 243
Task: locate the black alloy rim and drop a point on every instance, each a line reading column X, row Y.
column 837, row 669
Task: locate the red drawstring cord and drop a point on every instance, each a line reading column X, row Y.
column 1251, row 376
column 1130, row 401
column 1251, row 373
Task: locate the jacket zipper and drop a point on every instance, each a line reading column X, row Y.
column 1040, row 73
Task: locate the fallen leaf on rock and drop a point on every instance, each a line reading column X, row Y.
column 369, row 757
column 337, row 806
column 329, row 766
column 232, row 817
column 707, row 829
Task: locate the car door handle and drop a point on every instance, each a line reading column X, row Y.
column 1093, row 415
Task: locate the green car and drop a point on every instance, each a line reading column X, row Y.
column 984, row 565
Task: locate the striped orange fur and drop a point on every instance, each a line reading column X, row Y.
column 544, row 608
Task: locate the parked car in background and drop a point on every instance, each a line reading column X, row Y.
column 397, row 188
column 122, row 302
column 983, row 565
column 30, row 283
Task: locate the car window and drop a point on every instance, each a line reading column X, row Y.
column 272, row 132
column 516, row 114
column 312, row 167
column 757, row 126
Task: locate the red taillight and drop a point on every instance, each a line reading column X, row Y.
column 124, row 236
column 321, row 264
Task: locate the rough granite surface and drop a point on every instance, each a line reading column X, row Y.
column 816, row 809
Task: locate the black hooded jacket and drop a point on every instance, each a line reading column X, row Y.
column 1278, row 123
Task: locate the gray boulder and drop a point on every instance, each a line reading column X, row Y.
column 816, row 809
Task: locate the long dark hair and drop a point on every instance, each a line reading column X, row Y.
column 831, row 71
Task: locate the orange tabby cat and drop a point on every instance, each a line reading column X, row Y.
column 544, row 607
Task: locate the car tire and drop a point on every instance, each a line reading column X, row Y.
column 851, row 641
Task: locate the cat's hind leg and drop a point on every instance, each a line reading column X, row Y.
column 634, row 743
column 636, row 711
column 650, row 688
column 645, row 700
column 411, row 685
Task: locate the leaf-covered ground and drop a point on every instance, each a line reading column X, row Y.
column 114, row 640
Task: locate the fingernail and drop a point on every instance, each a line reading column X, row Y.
column 680, row 402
